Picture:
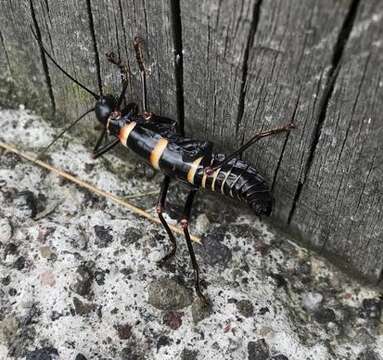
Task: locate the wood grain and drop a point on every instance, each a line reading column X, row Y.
column 248, row 65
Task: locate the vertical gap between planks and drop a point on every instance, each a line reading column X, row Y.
column 338, row 51
column 175, row 11
column 43, row 58
column 95, row 49
column 245, row 64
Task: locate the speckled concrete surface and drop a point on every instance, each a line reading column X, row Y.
column 79, row 276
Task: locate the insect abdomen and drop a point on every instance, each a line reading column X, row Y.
column 240, row 181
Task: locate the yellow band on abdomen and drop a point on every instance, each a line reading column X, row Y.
column 125, row 131
column 193, row 170
column 157, row 152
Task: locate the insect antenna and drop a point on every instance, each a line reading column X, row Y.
column 60, row 68
column 63, row 132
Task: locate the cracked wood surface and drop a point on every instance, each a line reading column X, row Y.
column 248, row 65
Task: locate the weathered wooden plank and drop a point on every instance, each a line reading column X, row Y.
column 344, row 183
column 290, row 47
column 215, row 34
column 21, row 78
column 67, row 34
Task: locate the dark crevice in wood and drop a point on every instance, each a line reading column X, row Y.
column 145, row 17
column 284, row 145
column 43, row 58
column 342, row 39
column 117, row 36
column 45, row 15
column 125, row 45
column 380, row 277
column 95, row 49
column 175, row 11
column 47, row 6
column 245, row 64
column 5, row 52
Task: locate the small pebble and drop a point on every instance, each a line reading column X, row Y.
column 168, row 294
column 214, row 252
column 245, row 308
column 188, row 354
column 19, row 264
column 258, row 350
column 202, row 224
column 371, row 309
column 173, row 319
column 6, row 280
column 25, row 205
column 163, row 340
column 124, row 331
column 82, row 308
column 5, row 230
column 311, row 301
column 46, row 353
column 324, row 315
column 103, row 236
column 80, row 357
column 84, row 280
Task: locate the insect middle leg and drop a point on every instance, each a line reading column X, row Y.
column 140, row 60
column 160, row 208
column 185, row 226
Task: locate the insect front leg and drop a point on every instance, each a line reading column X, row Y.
column 185, row 226
column 160, row 208
column 125, row 75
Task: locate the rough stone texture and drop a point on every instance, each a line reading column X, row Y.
column 248, row 65
column 168, row 294
column 265, row 267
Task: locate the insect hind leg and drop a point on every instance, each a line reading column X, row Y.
column 160, row 208
column 185, row 226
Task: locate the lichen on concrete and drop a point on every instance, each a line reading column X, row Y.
column 79, row 278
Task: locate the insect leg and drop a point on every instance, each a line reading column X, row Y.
column 105, row 148
column 140, row 60
column 64, row 131
column 160, row 208
column 38, row 39
column 124, row 71
column 99, row 141
column 185, row 226
column 253, row 140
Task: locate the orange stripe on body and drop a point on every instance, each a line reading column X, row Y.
column 157, row 152
column 215, row 178
column 193, row 169
column 125, row 131
column 204, row 177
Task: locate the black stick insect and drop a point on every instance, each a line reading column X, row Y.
column 156, row 140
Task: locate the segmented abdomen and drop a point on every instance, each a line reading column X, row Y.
column 236, row 179
column 239, row 180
